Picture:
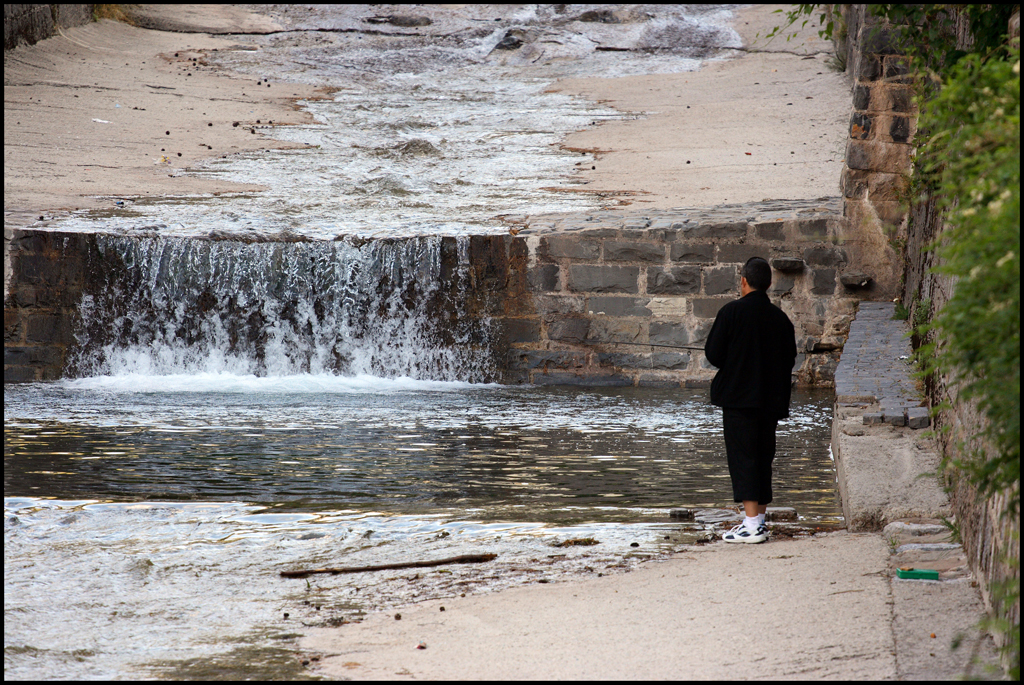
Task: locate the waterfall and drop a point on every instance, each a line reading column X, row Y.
column 387, row 308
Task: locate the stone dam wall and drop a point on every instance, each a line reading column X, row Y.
column 600, row 299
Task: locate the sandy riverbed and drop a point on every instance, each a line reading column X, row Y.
column 90, row 114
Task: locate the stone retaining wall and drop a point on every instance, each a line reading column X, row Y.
column 29, row 24
column 44, row 275
column 883, row 122
column 628, row 298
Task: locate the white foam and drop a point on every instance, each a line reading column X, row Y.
column 224, row 382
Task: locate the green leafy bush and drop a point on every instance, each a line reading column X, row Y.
column 973, row 160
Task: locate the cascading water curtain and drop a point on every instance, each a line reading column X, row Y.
column 388, row 308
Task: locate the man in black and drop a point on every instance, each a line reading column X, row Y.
column 753, row 344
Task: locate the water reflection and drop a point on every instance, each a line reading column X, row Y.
column 484, row 448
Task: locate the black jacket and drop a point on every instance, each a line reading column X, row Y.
column 753, row 344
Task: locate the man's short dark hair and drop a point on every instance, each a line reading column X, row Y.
column 758, row 273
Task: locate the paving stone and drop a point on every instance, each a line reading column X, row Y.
column 667, row 333
column 732, row 229
column 895, row 418
column 616, row 331
column 918, row 417
column 728, row 254
column 824, row 282
column 543, row 277
column 708, row 308
column 670, row 360
column 788, row 264
column 571, row 247
column 770, row 230
column 522, row 330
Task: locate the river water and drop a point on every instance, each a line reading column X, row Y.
column 152, row 500
column 147, row 517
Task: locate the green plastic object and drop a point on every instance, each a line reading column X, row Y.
column 918, row 573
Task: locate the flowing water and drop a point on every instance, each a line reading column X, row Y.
column 236, row 409
column 432, row 132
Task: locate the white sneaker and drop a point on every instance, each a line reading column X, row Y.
column 741, row 533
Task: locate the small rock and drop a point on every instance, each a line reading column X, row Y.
column 780, row 514
column 602, row 16
column 903, row 528
column 855, row 279
column 788, row 264
column 509, row 42
column 398, row 617
column 918, row 417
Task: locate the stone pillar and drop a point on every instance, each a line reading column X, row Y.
column 879, row 148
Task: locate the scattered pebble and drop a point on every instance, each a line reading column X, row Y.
column 398, row 617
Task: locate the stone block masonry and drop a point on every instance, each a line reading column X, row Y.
column 879, row 146
column 44, row 275
column 627, row 298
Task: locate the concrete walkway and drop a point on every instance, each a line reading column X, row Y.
column 826, row 606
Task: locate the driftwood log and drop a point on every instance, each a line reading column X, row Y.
column 463, row 559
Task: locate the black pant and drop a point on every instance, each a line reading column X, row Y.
column 750, row 449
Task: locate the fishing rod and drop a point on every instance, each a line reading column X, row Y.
column 672, row 347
